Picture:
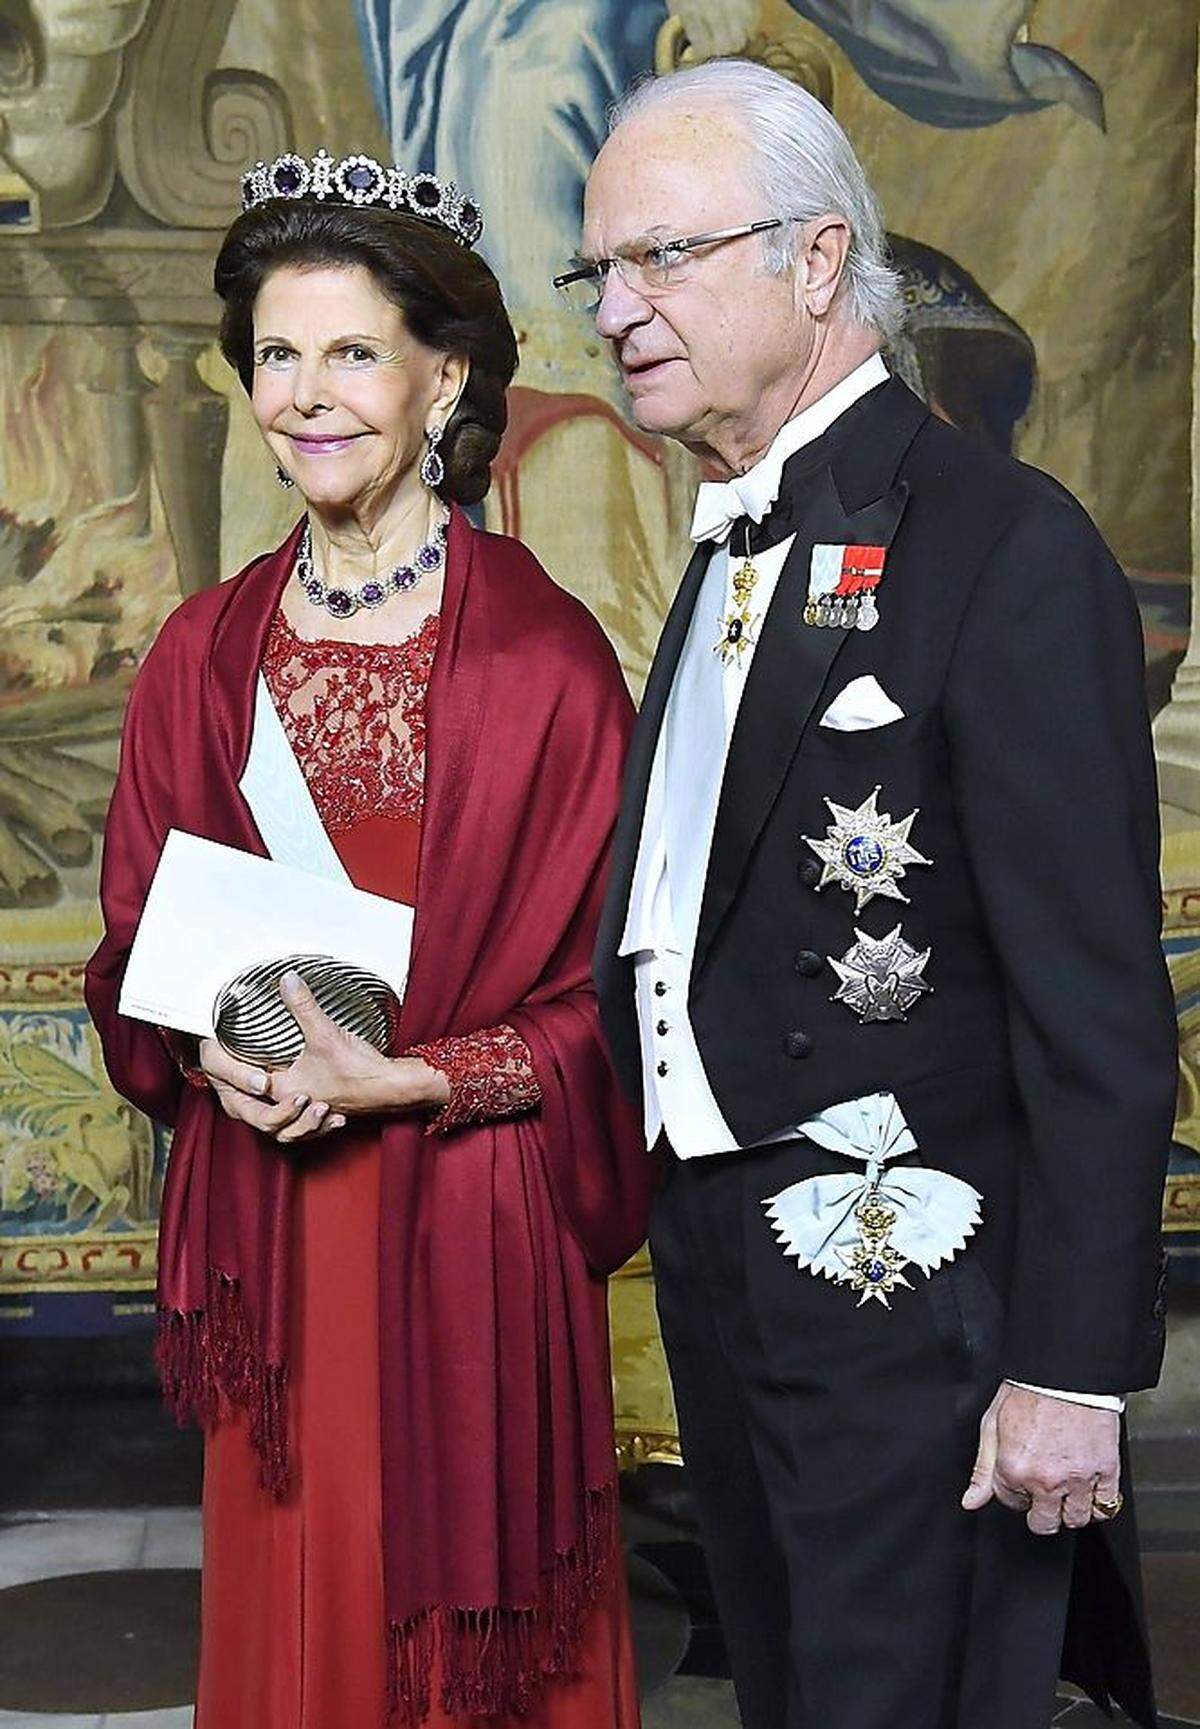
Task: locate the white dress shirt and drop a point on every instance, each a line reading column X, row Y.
column 661, row 937
column 678, row 1096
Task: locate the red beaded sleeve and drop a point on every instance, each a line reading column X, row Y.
column 490, row 1074
column 185, row 1050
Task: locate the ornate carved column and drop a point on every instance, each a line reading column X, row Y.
column 123, row 465
column 188, row 423
column 127, row 284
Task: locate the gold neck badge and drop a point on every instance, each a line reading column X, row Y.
column 739, row 625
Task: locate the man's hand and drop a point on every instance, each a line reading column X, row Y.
column 1056, row 1462
column 716, row 27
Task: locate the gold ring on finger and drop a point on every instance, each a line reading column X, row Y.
column 1108, row 1509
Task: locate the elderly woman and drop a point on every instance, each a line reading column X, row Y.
column 382, row 1276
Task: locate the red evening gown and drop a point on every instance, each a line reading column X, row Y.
column 292, row 1618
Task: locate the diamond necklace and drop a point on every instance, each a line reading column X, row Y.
column 345, row 602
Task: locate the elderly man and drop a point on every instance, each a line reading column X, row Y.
column 881, row 960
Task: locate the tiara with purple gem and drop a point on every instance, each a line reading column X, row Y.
column 361, row 180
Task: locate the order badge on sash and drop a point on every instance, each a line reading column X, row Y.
column 841, row 586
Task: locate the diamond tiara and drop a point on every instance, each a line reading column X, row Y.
column 361, row 180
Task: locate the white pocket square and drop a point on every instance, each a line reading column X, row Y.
column 862, row 704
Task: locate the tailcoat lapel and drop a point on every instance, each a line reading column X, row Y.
column 850, row 498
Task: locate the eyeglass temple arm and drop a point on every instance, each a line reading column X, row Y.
column 586, row 272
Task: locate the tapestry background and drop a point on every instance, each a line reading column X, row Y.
column 1036, row 167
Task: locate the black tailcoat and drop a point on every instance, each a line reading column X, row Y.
column 1042, row 1065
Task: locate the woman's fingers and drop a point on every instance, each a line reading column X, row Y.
column 261, row 1114
column 294, row 1117
column 308, row 1122
column 220, row 1067
column 305, row 1010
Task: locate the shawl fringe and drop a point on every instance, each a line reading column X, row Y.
column 495, row 1661
column 209, row 1365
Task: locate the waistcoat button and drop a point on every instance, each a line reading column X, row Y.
column 660, row 989
column 663, row 1069
column 662, row 1029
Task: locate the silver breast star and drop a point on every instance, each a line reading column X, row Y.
column 881, row 978
column 865, row 852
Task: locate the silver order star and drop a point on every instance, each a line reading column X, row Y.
column 865, row 852
column 881, row 978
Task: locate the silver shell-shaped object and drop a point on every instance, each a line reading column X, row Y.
column 254, row 1024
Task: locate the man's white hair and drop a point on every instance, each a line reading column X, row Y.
column 804, row 166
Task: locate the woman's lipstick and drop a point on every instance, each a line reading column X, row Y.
column 311, row 446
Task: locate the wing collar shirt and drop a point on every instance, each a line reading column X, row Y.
column 660, row 928
column 665, row 894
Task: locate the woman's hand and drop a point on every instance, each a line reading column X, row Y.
column 245, row 1093
column 351, row 1076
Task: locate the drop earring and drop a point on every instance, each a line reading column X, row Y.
column 283, row 477
column 433, row 469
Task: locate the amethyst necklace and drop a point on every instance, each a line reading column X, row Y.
column 345, row 602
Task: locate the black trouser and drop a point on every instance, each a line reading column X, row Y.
column 828, row 1446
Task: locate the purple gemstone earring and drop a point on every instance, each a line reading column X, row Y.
column 433, row 469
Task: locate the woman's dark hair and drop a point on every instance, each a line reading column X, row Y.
column 449, row 297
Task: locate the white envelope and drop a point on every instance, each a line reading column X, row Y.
column 861, row 705
column 213, row 910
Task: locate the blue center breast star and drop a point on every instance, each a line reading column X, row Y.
column 865, row 852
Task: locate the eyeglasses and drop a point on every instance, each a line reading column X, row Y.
column 650, row 267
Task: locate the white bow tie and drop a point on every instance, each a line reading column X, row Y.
column 721, row 503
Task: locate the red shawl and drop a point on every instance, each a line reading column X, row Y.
column 497, row 1439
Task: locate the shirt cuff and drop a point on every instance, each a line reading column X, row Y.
column 490, row 1073
column 1098, row 1401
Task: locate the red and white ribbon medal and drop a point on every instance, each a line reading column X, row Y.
column 841, row 587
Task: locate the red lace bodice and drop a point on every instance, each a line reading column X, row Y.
column 354, row 714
